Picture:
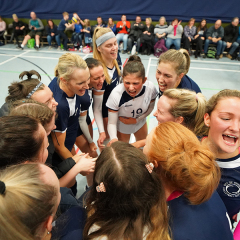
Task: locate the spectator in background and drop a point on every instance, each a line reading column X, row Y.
column 200, row 36
column 100, row 22
column 51, row 33
column 61, row 28
column 188, row 35
column 112, row 25
column 36, row 27
column 135, row 34
column 87, row 33
column 160, row 29
column 230, row 37
column 174, row 32
column 147, row 38
column 215, row 35
column 18, row 28
column 123, row 29
column 77, row 35
column 2, row 29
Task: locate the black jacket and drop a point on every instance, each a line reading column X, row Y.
column 230, row 33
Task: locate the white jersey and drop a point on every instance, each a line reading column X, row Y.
column 131, row 107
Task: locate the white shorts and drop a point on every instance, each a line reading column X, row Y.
column 130, row 128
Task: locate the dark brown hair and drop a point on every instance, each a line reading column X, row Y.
column 19, row 90
column 199, row 27
column 33, row 109
column 134, row 198
column 134, row 66
column 92, row 63
column 20, row 140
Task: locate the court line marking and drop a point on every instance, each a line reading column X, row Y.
column 202, row 61
column 148, row 67
column 213, row 69
column 15, row 56
column 43, row 51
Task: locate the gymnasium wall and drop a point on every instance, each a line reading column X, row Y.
column 183, row 9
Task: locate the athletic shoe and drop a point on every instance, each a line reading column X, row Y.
column 59, row 48
column 221, row 55
column 124, row 51
column 19, row 47
column 49, row 47
column 217, row 57
column 37, row 48
column 203, row 55
column 129, row 53
column 229, row 56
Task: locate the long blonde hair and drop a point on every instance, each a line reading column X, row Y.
column 26, row 203
column 98, row 32
column 67, row 63
column 179, row 59
column 184, row 163
column 190, row 106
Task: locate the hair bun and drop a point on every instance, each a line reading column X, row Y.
column 2, row 187
column 134, row 58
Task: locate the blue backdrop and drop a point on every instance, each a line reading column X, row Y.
column 183, row 9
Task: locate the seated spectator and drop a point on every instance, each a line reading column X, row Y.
column 77, row 36
column 100, row 22
column 61, row 28
column 135, row 34
column 200, row 36
column 238, row 40
column 51, row 33
column 214, row 35
column 123, row 29
column 2, row 29
column 230, row 37
column 112, row 25
column 19, row 28
column 127, row 200
column 174, row 32
column 87, row 33
column 78, row 18
column 160, row 29
column 189, row 32
column 36, row 27
column 147, row 38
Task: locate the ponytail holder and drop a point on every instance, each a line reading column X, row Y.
column 34, row 90
column 101, row 187
column 2, row 187
column 196, row 97
column 150, row 167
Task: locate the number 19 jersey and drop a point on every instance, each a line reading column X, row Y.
column 131, row 107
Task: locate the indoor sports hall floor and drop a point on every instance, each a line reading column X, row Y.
column 210, row 74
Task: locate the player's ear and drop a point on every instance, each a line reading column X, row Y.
column 144, row 80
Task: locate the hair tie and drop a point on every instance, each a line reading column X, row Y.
column 196, row 97
column 101, row 187
column 34, row 90
column 150, row 167
column 2, row 187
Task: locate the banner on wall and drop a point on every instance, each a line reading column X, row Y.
column 91, row 9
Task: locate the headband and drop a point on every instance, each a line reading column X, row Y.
column 104, row 38
column 2, row 187
column 34, row 90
